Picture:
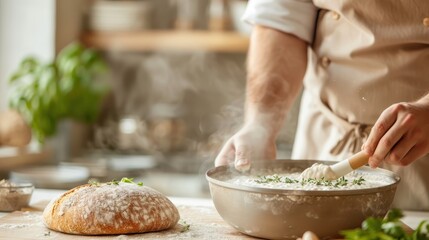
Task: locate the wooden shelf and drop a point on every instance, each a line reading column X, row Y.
column 11, row 158
column 180, row 41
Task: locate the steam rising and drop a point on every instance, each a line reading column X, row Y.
column 206, row 89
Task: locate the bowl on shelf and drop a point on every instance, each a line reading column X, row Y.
column 57, row 177
column 237, row 8
column 14, row 196
column 120, row 15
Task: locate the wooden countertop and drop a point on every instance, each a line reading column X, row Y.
column 28, row 225
column 203, row 219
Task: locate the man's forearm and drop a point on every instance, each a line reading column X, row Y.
column 276, row 67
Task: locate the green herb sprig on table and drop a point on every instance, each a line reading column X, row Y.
column 389, row 228
column 185, row 226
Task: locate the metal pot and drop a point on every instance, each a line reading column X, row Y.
column 287, row 214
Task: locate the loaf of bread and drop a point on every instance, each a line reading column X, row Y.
column 110, row 208
column 14, row 131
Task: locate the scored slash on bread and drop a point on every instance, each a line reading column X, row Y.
column 103, row 209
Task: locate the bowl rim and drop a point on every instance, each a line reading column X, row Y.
column 343, row 192
column 15, row 184
column 18, row 185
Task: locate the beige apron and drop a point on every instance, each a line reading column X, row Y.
column 366, row 56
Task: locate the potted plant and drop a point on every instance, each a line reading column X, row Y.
column 64, row 89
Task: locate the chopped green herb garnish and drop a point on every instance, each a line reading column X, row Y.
column 289, row 180
column 341, row 182
column 359, row 181
column 275, row 179
column 94, row 182
column 125, row 180
column 114, row 182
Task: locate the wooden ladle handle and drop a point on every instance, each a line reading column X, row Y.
column 358, row 160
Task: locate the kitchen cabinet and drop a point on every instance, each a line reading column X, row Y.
column 11, row 157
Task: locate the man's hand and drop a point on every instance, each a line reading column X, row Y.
column 400, row 135
column 309, row 236
column 276, row 67
column 250, row 143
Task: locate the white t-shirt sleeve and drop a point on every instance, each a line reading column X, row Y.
column 297, row 17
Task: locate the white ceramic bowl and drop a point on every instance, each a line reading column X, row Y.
column 287, row 214
column 15, row 196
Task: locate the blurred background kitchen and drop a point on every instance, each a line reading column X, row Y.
column 148, row 89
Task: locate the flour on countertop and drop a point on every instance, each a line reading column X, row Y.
column 205, row 224
column 18, row 226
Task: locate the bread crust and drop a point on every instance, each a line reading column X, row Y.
column 110, row 209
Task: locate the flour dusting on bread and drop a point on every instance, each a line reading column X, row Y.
column 110, row 209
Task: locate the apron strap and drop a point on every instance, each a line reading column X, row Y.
column 355, row 137
column 355, row 133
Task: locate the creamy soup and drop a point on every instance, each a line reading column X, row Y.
column 293, row 181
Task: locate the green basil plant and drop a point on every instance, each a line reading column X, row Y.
column 66, row 88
